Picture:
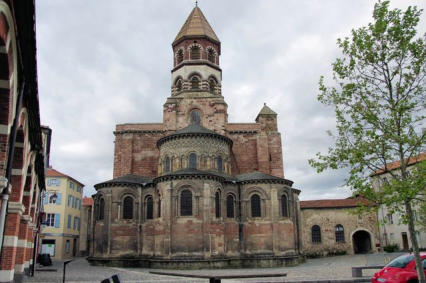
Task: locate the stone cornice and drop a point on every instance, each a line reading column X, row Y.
column 195, row 63
column 138, row 132
column 190, row 135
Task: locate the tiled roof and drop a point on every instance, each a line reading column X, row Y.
column 127, row 179
column 87, row 201
column 396, row 164
column 257, row 176
column 194, row 128
column 196, row 25
column 335, row 203
column 267, row 111
column 55, row 173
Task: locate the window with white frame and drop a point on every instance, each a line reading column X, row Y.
column 50, row 220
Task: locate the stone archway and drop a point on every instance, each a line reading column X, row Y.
column 361, row 241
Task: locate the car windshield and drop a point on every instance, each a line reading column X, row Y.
column 401, row 261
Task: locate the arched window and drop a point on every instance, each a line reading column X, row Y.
column 179, row 56
column 195, row 83
column 230, row 206
column 167, row 164
column 316, row 234
column 149, row 207
column 101, row 209
column 195, row 117
column 192, row 162
column 340, row 233
column 212, row 85
column 284, row 206
column 210, row 55
column 186, row 203
column 179, row 85
column 217, row 204
column 255, row 206
column 219, row 164
column 128, row 207
column 195, row 52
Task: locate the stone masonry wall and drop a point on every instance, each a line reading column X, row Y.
column 327, row 219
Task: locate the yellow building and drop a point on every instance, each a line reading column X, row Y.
column 62, row 204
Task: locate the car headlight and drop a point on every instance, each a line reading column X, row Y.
column 381, row 280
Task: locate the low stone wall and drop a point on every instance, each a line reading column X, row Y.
column 193, row 263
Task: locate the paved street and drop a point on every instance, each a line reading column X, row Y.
column 338, row 267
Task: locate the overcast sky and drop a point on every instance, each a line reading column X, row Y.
column 105, row 62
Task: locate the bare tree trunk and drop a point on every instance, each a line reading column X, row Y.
column 414, row 243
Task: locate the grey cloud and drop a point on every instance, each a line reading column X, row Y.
column 107, row 62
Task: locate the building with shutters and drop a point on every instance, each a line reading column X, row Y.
column 196, row 190
column 62, row 204
column 393, row 230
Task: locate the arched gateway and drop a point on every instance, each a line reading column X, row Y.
column 361, row 241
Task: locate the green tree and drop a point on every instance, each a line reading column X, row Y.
column 379, row 101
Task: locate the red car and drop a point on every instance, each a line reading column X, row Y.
column 400, row 270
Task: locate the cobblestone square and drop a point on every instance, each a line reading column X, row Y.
column 338, row 267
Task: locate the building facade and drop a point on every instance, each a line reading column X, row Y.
column 392, row 230
column 86, row 234
column 23, row 142
column 330, row 227
column 196, row 187
column 62, row 204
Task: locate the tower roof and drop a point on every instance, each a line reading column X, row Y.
column 196, row 25
column 266, row 111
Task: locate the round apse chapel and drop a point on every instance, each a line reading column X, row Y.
column 194, row 147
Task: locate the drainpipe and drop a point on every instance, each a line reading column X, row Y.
column 4, row 187
column 4, row 183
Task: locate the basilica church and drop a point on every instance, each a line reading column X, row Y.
column 196, row 190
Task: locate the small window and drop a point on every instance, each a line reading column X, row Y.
column 195, row 117
column 195, row 52
column 284, row 206
column 179, row 56
column 101, row 209
column 230, row 206
column 255, row 206
column 219, row 164
column 390, row 218
column 186, row 203
column 53, row 198
column 167, row 165
column 67, row 246
column 340, row 233
column 192, row 161
column 217, row 204
column 211, row 55
column 212, row 85
column 159, row 207
column 316, row 234
column 128, row 207
column 149, row 208
column 179, row 85
column 195, row 83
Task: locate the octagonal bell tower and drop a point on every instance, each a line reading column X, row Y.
column 196, row 77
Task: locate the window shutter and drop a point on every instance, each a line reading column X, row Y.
column 45, row 198
column 57, row 220
column 69, row 221
column 58, row 200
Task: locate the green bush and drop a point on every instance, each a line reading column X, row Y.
column 391, row 248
